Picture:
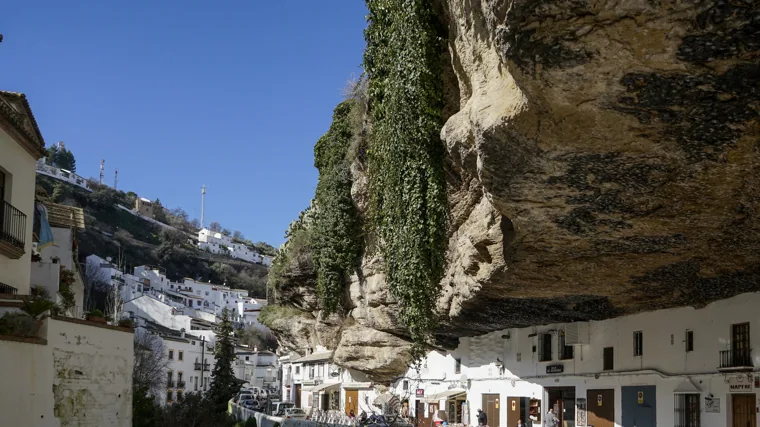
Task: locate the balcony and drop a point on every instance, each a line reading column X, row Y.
column 198, row 366
column 12, row 231
column 7, row 289
column 736, row 360
column 180, row 384
column 170, row 384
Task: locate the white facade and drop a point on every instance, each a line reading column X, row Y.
column 61, row 174
column 191, row 361
column 257, row 368
column 658, row 360
column 218, row 243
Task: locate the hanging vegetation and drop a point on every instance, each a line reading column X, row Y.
column 336, row 225
column 403, row 60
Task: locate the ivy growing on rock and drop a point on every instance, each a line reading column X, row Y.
column 403, row 60
column 337, row 242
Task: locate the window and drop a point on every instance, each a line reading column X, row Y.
column 544, row 347
column 2, row 186
column 180, row 355
column 246, row 357
column 169, row 395
column 457, row 366
column 311, row 371
column 298, row 370
column 179, row 376
column 740, row 345
column 193, row 343
column 205, row 383
column 566, row 352
column 179, row 395
column 406, row 385
column 638, row 343
column 689, row 340
column 196, row 384
column 171, row 354
column 687, row 410
column 609, row 358
column 198, row 303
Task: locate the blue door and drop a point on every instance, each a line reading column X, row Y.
column 639, row 406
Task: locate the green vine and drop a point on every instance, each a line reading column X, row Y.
column 65, row 289
column 336, row 237
column 403, row 60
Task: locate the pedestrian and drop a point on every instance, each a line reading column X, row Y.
column 550, row 420
column 520, row 423
column 482, row 418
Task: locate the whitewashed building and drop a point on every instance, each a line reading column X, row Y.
column 676, row 367
column 257, row 368
column 61, row 174
column 314, row 383
column 218, row 243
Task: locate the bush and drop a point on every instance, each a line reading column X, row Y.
column 95, row 313
column 127, row 323
column 19, row 325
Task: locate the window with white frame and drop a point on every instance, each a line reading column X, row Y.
column 687, row 410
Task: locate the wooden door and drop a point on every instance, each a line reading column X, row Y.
column 514, row 411
column 352, row 401
column 600, row 405
column 419, row 414
column 491, row 408
column 743, row 410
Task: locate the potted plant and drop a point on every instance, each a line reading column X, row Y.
column 96, row 316
column 127, row 323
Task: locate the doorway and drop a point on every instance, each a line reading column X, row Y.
column 639, row 406
column 352, row 402
column 562, row 399
column 298, row 395
column 491, row 408
column 601, row 408
column 517, row 409
column 419, row 413
column 743, row 410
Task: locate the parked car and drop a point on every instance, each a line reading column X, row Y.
column 243, row 397
column 278, row 408
column 295, row 414
column 250, row 404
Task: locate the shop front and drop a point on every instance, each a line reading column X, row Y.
column 562, row 400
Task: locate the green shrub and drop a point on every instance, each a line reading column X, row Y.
column 95, row 313
column 403, row 60
column 19, row 325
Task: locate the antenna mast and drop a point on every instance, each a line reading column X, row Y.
column 115, row 178
column 203, row 205
column 102, row 168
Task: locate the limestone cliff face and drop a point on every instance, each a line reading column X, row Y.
column 603, row 158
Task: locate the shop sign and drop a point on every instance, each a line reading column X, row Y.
column 712, row 405
column 641, row 397
column 419, row 392
column 739, row 384
column 555, row 369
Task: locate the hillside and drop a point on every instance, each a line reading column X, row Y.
column 112, row 231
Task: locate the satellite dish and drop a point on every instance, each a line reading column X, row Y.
column 463, row 378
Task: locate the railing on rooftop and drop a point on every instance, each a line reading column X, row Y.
column 737, row 358
column 12, row 226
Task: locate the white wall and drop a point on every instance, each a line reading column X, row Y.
column 665, row 363
column 26, row 395
column 19, row 167
column 157, row 311
column 92, row 378
column 192, row 352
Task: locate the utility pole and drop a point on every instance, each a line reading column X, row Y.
column 115, row 178
column 203, row 206
column 102, row 168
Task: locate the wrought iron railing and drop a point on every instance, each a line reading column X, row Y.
column 7, row 289
column 170, row 384
column 198, row 366
column 12, row 225
column 180, row 384
column 736, row 358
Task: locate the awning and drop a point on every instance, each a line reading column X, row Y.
column 687, row 386
column 322, row 387
column 448, row 394
column 357, row 385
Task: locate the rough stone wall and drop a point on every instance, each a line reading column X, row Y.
column 92, row 374
column 602, row 158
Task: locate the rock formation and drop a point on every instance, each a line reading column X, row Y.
column 603, row 158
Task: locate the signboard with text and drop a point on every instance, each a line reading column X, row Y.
column 419, row 392
column 555, row 369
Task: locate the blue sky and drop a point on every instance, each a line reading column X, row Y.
column 175, row 94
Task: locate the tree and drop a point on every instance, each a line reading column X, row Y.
column 159, row 212
column 95, row 286
column 223, row 271
column 226, row 232
column 151, row 363
column 195, row 224
column 215, row 226
column 255, row 337
column 224, row 385
column 238, row 235
column 61, row 158
column 196, row 411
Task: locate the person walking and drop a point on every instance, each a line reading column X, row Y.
column 550, row 420
column 482, row 418
column 520, row 423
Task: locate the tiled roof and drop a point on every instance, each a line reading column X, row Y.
column 23, row 122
